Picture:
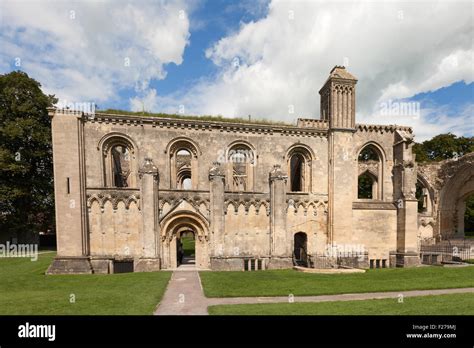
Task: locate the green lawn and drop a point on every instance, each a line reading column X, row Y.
column 455, row 304
column 188, row 246
column 24, row 289
column 285, row 282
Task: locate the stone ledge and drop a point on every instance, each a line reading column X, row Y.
column 374, row 205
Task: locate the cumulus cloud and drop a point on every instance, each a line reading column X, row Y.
column 89, row 50
column 270, row 68
column 275, row 65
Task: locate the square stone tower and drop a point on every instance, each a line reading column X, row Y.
column 338, row 108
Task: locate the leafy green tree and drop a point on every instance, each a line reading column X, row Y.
column 26, row 175
column 469, row 216
column 443, row 146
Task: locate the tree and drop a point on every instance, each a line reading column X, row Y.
column 443, row 146
column 469, row 216
column 26, row 175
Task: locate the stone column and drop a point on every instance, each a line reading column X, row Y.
column 217, row 184
column 150, row 257
column 405, row 176
column 280, row 245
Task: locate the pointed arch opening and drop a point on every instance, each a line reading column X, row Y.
column 423, row 196
column 299, row 163
column 370, row 173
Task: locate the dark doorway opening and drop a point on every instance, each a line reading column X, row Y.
column 186, row 245
column 300, row 254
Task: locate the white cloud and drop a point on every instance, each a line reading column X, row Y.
column 396, row 49
column 89, row 50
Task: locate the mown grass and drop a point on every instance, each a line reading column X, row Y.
column 26, row 290
column 218, row 118
column 188, row 246
column 455, row 304
column 285, row 282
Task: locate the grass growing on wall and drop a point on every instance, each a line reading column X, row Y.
column 196, row 118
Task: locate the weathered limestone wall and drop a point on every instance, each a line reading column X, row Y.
column 246, row 232
column 115, row 233
column 68, row 184
column 270, row 148
column 376, row 230
column 311, row 220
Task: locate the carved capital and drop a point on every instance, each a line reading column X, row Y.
column 216, row 171
column 148, row 168
column 277, row 174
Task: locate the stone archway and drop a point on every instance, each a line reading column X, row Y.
column 453, row 196
column 300, row 249
column 172, row 227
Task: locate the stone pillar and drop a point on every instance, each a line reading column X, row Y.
column 217, row 184
column 70, row 193
column 338, row 107
column 150, row 257
column 280, row 245
column 405, row 176
column 341, row 182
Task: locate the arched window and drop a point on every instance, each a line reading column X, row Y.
column 120, row 156
column 241, row 161
column 370, row 177
column 296, row 172
column 367, row 186
column 299, row 169
column 183, row 156
column 119, row 163
column 423, row 196
column 183, row 170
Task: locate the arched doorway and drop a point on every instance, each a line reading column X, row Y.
column 300, row 249
column 180, row 232
column 469, row 216
column 454, row 195
column 186, row 248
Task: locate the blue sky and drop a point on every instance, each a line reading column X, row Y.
column 262, row 58
column 211, row 21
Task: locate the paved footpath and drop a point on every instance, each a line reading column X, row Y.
column 184, row 296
